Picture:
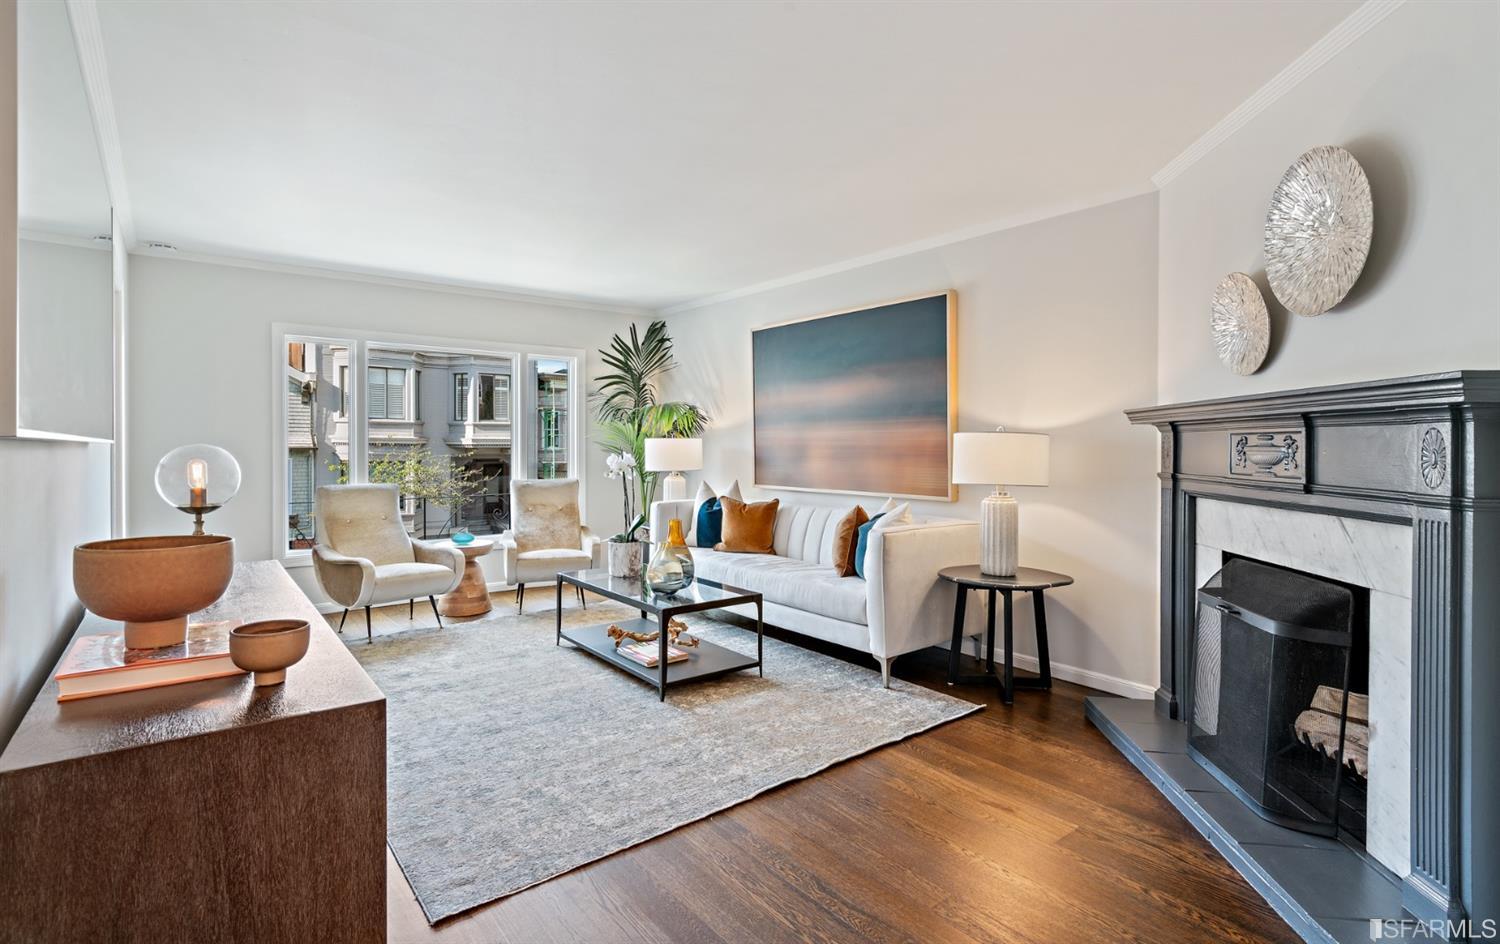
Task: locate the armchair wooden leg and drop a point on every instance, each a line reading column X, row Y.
column 520, row 597
column 411, row 608
column 342, row 618
column 433, row 601
column 369, row 634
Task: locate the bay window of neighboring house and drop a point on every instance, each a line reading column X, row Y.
column 387, row 393
column 494, row 398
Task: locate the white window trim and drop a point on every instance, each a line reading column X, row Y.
column 359, row 342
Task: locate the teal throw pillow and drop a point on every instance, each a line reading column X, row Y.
column 864, row 542
column 710, row 525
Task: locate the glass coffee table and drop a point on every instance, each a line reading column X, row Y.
column 704, row 661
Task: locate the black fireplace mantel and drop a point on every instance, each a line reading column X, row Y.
column 1418, row 451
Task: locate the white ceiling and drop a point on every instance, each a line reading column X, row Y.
column 647, row 154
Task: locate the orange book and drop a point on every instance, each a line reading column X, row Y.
column 101, row 665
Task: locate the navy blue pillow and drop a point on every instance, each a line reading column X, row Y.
column 864, row 541
column 710, row 527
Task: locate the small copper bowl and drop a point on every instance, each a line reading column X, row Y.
column 267, row 647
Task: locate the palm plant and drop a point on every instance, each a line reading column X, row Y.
column 629, row 409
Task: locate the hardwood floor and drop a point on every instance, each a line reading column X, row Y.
column 1014, row 824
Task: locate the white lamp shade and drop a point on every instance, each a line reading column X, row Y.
column 1000, row 458
column 674, row 455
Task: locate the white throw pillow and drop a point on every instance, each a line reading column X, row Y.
column 894, row 516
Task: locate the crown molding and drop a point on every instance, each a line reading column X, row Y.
column 1338, row 39
column 88, row 39
column 394, row 279
column 935, row 242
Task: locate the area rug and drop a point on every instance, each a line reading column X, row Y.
column 512, row 760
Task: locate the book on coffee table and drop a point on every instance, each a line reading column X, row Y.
column 101, row 665
column 649, row 653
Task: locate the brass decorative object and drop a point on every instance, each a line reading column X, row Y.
column 676, row 635
column 1318, row 230
column 1241, row 325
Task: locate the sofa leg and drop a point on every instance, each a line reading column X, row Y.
column 411, row 608
column 978, row 642
column 369, row 635
column 520, row 596
column 433, row 600
column 885, row 671
column 342, row 618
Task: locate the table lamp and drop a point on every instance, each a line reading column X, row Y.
column 993, row 459
column 675, row 456
column 197, row 479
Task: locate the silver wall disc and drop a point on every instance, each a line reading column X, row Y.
column 1318, row 230
column 1241, row 325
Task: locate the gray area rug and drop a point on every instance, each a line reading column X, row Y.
column 511, row 760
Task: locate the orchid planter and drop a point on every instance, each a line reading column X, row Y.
column 624, row 558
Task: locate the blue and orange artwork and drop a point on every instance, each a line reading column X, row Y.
column 858, row 401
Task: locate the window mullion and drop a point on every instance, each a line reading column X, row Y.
column 359, row 425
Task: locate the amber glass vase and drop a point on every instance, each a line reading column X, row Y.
column 671, row 568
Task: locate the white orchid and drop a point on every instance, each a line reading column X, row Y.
column 620, row 464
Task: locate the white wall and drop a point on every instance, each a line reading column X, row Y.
column 56, row 496
column 66, row 318
column 1056, row 333
column 199, row 366
column 1417, row 101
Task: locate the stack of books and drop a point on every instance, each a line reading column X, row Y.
column 649, row 653
column 101, row 665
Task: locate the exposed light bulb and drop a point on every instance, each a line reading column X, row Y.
column 197, row 476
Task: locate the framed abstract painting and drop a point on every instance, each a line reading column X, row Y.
column 861, row 401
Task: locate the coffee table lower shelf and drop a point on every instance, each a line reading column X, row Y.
column 704, row 661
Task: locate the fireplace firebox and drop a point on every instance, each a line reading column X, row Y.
column 1274, row 659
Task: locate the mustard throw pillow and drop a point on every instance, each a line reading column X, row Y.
column 846, row 540
column 748, row 528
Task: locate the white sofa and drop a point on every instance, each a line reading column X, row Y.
column 899, row 606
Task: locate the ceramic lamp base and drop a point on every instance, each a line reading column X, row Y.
column 674, row 487
column 155, row 634
column 999, row 540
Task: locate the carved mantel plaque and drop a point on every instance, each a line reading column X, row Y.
column 1274, row 454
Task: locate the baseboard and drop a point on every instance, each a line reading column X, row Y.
column 1105, row 683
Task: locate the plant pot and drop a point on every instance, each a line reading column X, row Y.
column 268, row 647
column 624, row 558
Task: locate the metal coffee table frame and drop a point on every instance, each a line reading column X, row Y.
column 704, row 661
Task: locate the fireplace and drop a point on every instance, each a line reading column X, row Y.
column 1391, row 485
column 1276, row 655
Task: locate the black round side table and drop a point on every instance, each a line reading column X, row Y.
column 1025, row 579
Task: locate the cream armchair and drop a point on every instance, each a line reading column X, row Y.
column 364, row 556
column 546, row 536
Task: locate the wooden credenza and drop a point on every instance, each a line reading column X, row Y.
column 209, row 811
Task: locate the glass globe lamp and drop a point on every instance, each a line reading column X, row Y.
column 197, row 479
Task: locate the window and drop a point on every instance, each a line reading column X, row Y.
column 460, row 398
column 551, row 392
column 448, row 476
column 315, row 448
column 494, row 398
column 387, row 396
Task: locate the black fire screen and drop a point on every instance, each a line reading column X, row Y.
column 1271, row 643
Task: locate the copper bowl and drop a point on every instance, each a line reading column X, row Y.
column 267, row 647
column 152, row 584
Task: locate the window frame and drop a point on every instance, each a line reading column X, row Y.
column 359, row 343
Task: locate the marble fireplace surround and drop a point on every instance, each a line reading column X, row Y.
column 1374, row 473
column 1371, row 554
